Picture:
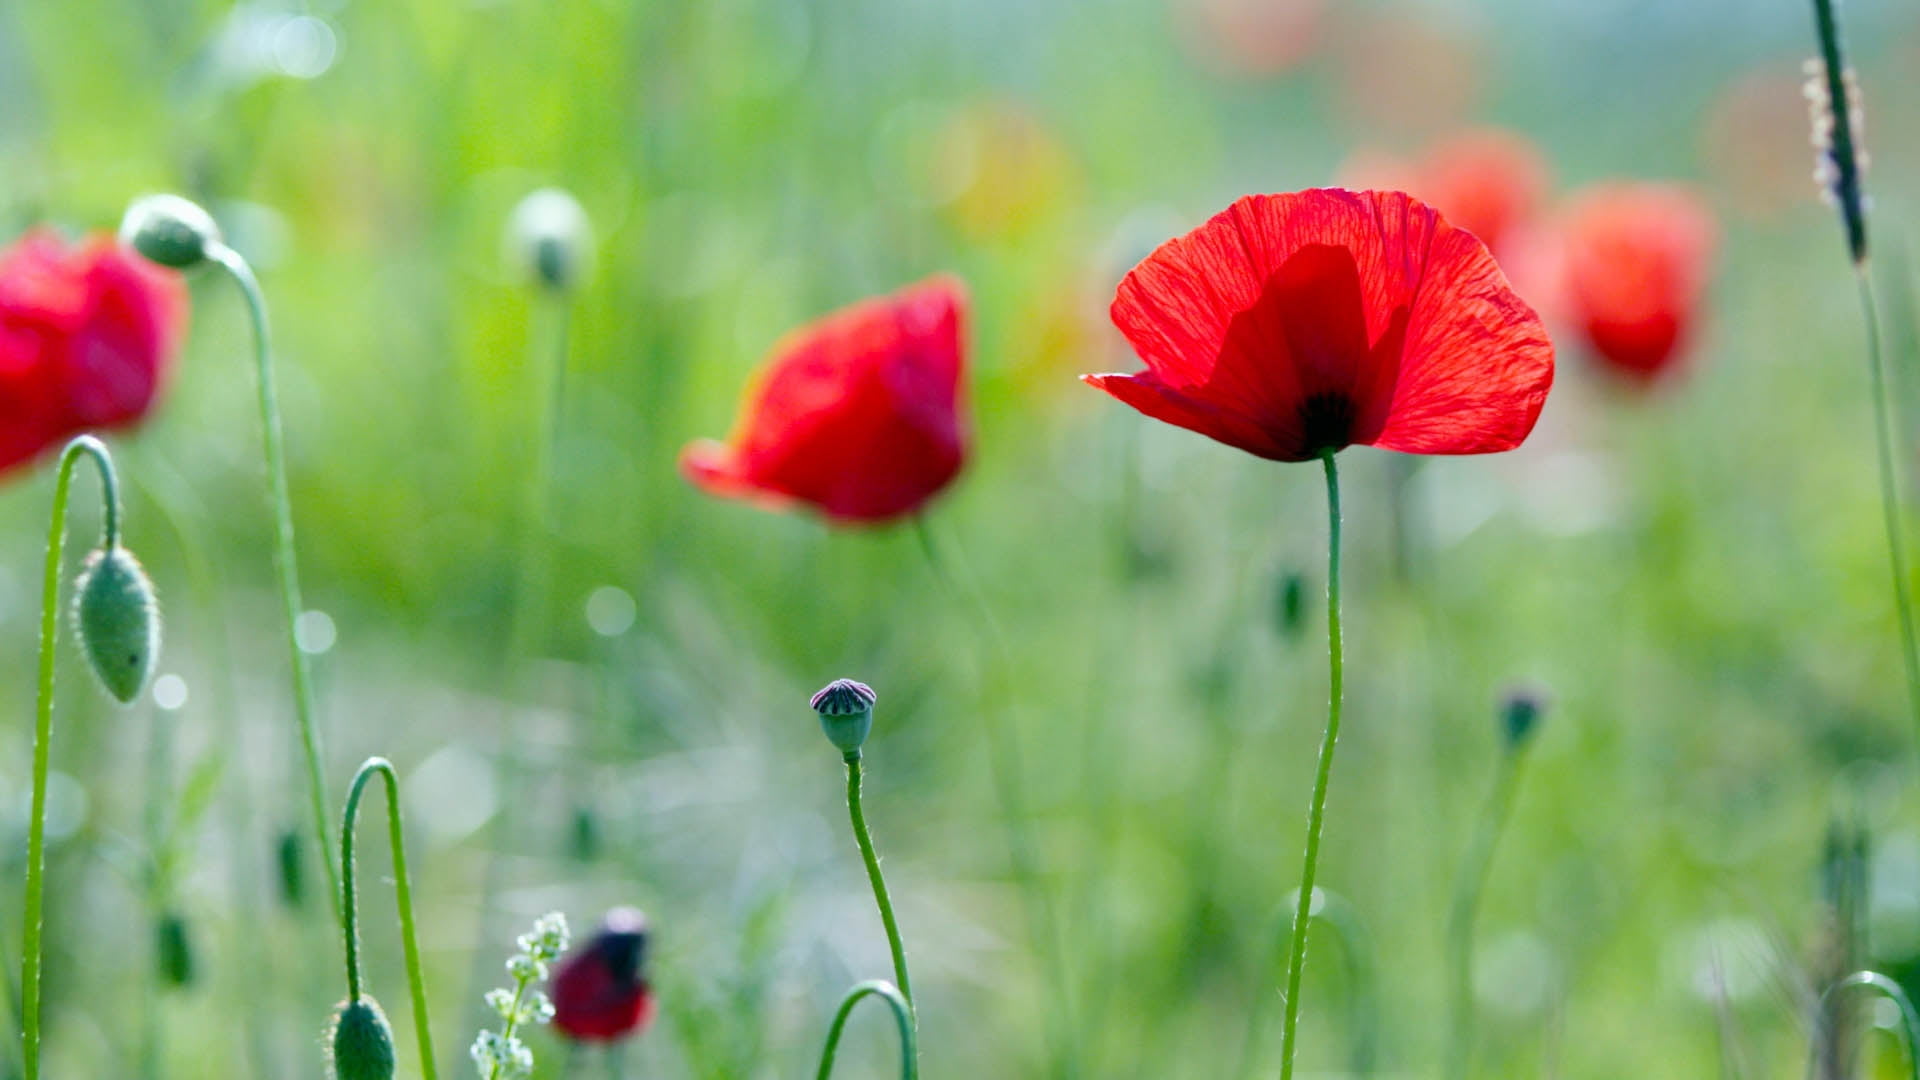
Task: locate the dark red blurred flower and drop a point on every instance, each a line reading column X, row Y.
column 861, row 414
column 1292, row 324
column 1636, row 259
column 600, row 991
column 87, row 335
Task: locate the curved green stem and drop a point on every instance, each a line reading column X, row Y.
column 1316, row 813
column 1466, row 905
column 902, row 1016
column 403, row 895
column 285, row 561
column 1339, row 916
column 1909, row 1020
column 1890, row 493
column 33, row 908
column 880, row 895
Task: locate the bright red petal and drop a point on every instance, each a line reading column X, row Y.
column 1477, row 364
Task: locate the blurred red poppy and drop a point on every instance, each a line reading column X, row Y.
column 600, row 991
column 1293, row 324
column 87, row 335
column 860, row 415
column 1489, row 181
column 1636, row 259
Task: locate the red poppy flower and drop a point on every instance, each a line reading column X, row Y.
column 600, row 992
column 1293, row 324
column 1636, row 258
column 87, row 335
column 860, row 415
column 1487, row 181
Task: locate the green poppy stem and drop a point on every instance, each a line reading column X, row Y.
column 1316, row 813
column 403, row 895
column 1880, row 984
column 1466, row 906
column 902, row 1017
column 33, row 907
column 881, row 898
column 286, row 562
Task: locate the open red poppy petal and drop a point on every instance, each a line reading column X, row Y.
column 1477, row 363
column 1146, row 392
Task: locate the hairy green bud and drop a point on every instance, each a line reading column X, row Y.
column 118, row 621
column 169, row 230
column 361, row 1042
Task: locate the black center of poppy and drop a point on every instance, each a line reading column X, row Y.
column 1326, row 421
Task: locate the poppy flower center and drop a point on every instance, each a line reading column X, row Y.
column 1326, row 421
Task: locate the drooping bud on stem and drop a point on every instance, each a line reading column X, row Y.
column 118, row 621
column 846, row 713
column 361, row 1041
column 169, row 230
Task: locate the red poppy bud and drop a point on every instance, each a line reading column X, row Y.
column 87, row 336
column 600, row 992
column 860, row 415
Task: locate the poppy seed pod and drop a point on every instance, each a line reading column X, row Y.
column 550, row 239
column 118, row 621
column 846, row 713
column 169, row 230
column 361, row 1041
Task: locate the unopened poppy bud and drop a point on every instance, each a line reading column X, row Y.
column 174, row 950
column 118, row 621
column 293, row 873
column 362, row 1042
column 585, row 835
column 549, row 237
column 846, row 713
column 169, row 230
column 1520, row 714
column 1290, row 603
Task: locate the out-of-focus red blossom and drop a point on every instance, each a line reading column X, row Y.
column 1254, row 38
column 1293, row 324
column 1488, row 181
column 861, row 415
column 600, row 991
column 1636, row 258
column 88, row 333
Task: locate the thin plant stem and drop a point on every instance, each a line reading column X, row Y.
column 285, row 560
column 902, row 1017
column 881, row 898
column 1338, row 915
column 33, row 907
column 1466, row 906
column 513, row 1020
column 1890, row 492
column 1880, row 984
column 1316, row 813
column 403, row 896
column 1004, row 763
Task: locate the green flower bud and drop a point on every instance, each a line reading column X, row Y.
column 293, row 868
column 1290, row 604
column 118, row 621
column 550, row 240
column 174, row 950
column 361, row 1042
column 169, row 230
column 846, row 713
column 1520, row 714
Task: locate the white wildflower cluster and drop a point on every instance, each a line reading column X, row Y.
column 501, row 1055
column 1826, row 169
